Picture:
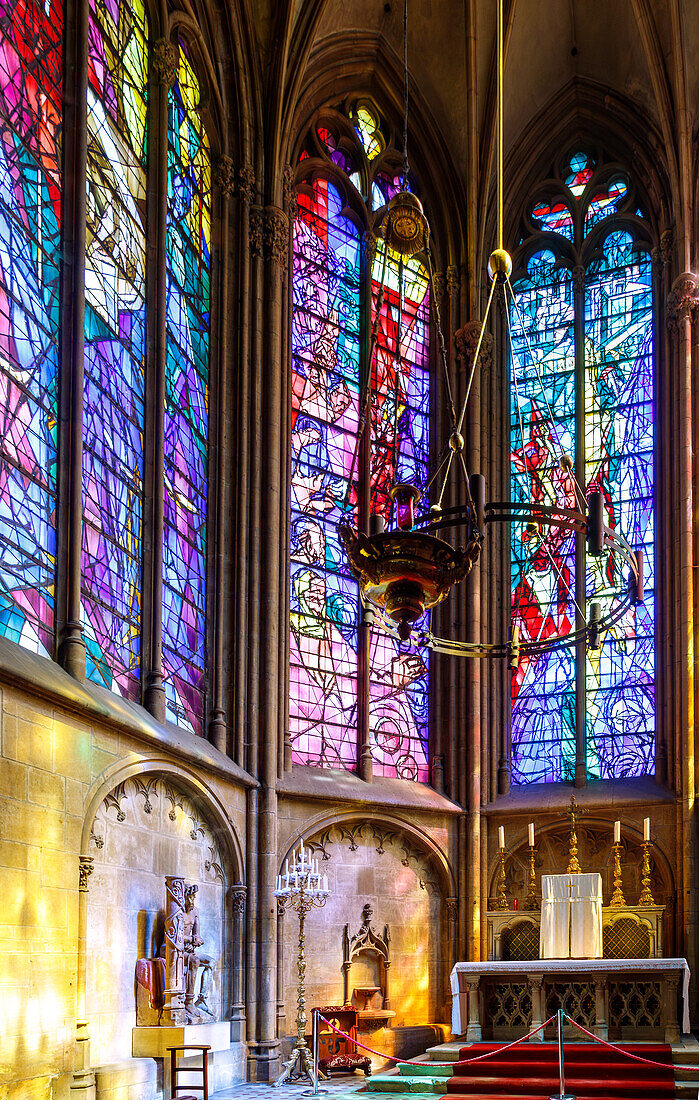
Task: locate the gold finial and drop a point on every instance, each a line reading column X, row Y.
column 574, row 812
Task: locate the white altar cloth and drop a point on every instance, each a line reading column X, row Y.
column 571, row 917
column 554, row 967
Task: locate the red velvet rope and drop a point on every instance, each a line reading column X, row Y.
column 612, row 1046
column 461, row 1062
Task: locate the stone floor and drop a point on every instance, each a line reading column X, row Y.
column 340, row 1088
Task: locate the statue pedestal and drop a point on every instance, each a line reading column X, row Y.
column 153, row 1042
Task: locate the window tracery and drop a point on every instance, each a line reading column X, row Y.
column 582, row 373
column 352, row 173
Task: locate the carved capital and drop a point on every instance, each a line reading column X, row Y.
column 86, row 867
column 224, row 176
column 164, row 61
column 466, row 341
column 276, row 234
column 667, row 239
column 290, row 195
column 370, row 243
column 452, row 909
column 439, row 283
column 578, row 275
column 453, row 280
column 246, row 183
column 256, row 232
column 683, row 300
column 239, row 895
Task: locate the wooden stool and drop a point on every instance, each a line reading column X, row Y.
column 175, row 1069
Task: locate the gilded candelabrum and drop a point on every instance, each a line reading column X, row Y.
column 617, row 898
column 574, row 812
column 301, row 888
column 646, row 896
column 502, row 902
column 531, row 901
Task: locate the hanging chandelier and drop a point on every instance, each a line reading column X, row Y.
column 406, row 571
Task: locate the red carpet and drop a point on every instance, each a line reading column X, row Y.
column 592, row 1072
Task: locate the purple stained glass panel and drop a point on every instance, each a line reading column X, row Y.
column 186, row 402
column 113, row 401
column 31, row 67
column 325, row 374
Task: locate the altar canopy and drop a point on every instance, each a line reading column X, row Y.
column 571, row 917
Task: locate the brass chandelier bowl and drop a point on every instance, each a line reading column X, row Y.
column 405, row 573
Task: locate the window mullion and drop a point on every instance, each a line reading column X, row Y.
column 580, row 547
column 364, row 757
column 69, row 635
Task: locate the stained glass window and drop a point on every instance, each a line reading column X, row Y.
column 31, row 70
column 603, row 391
column 113, row 405
column 398, row 709
column 186, row 401
column 330, row 316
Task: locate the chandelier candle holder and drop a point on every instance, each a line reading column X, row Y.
column 646, row 895
column 301, row 888
column 502, row 902
column 531, row 902
column 617, row 899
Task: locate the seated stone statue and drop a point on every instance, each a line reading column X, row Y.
column 193, row 961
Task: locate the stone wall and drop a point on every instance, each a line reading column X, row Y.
column 54, row 773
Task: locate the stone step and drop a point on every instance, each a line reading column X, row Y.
column 428, row 1086
column 425, row 1070
column 445, row 1052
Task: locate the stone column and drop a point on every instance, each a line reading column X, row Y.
column 82, row 1086
column 238, row 895
column 386, row 997
column 536, row 989
column 473, row 1031
column 281, row 1008
column 672, row 1027
column 601, row 1026
column 173, row 993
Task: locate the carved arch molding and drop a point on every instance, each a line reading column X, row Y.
column 385, row 837
column 157, row 803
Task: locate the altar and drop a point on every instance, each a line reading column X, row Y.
column 558, row 946
column 614, row 998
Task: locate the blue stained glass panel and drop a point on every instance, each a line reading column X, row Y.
column 186, row 401
column 543, row 565
column 619, row 462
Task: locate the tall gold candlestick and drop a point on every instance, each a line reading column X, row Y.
column 531, row 901
column 574, row 812
column 617, row 899
column 502, row 902
column 646, row 897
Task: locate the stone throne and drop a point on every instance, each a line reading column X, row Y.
column 369, row 952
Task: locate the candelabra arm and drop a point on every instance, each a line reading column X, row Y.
column 502, row 902
column 531, row 901
column 617, row 898
column 646, row 895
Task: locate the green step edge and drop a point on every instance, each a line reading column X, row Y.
column 401, row 1083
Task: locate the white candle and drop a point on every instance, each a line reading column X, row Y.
column 617, row 832
column 501, row 835
column 287, row 868
column 531, row 834
column 302, row 851
column 325, row 883
column 646, row 829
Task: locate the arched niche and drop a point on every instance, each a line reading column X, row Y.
column 406, row 879
column 141, row 826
